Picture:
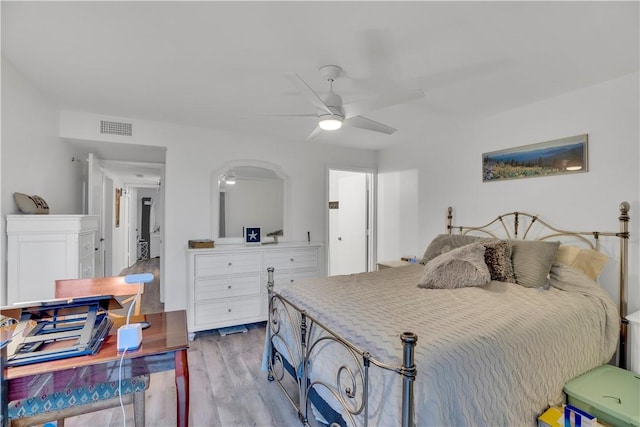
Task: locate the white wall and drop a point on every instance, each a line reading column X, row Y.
column 191, row 157
column 34, row 158
column 445, row 170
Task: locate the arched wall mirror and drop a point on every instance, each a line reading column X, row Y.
column 250, row 194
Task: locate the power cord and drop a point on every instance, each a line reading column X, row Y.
column 133, row 303
column 124, row 418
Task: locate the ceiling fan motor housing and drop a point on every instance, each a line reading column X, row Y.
column 334, row 102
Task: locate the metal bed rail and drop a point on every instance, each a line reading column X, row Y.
column 351, row 383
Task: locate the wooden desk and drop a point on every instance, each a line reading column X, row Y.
column 164, row 347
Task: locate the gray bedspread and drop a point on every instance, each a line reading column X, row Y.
column 492, row 355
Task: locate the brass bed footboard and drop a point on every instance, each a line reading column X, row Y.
column 296, row 340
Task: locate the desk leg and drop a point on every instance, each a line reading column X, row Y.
column 182, row 387
column 4, row 390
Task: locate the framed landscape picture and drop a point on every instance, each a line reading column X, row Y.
column 560, row 156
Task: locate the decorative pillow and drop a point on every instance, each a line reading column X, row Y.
column 31, row 204
column 588, row 261
column 458, row 268
column 497, row 256
column 445, row 242
column 532, row 260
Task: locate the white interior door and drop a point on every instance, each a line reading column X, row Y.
column 94, row 207
column 348, row 231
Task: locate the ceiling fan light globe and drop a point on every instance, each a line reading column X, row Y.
column 330, row 122
column 230, row 179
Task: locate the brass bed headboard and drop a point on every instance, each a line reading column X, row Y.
column 511, row 223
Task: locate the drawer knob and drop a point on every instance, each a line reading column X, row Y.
column 228, row 286
column 291, row 259
column 229, row 310
column 291, row 280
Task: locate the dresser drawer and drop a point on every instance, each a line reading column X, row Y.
column 221, row 264
column 299, row 258
column 285, row 278
column 227, row 311
column 227, row 286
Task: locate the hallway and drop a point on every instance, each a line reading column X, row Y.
column 151, row 297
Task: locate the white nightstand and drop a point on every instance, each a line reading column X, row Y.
column 390, row 264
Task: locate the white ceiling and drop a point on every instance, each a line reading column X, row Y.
column 222, row 64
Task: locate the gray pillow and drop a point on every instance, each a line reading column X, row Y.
column 443, row 243
column 532, row 260
column 458, row 268
column 497, row 256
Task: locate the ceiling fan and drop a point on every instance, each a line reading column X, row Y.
column 332, row 113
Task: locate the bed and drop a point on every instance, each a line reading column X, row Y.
column 436, row 343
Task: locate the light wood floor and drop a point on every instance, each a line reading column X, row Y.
column 227, row 385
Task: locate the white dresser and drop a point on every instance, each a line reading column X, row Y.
column 43, row 248
column 228, row 284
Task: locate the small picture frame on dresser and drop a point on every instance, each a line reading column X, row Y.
column 253, row 235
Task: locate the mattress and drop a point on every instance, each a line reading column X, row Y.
column 498, row 354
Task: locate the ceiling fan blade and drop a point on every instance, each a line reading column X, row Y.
column 368, row 124
column 315, row 116
column 314, row 133
column 357, row 108
column 308, row 92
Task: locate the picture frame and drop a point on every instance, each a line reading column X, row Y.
column 117, row 206
column 253, row 235
column 556, row 157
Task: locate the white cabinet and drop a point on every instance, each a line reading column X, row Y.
column 43, row 248
column 227, row 284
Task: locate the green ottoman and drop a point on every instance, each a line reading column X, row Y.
column 609, row 393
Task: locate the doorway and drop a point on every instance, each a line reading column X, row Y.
column 351, row 218
column 125, row 181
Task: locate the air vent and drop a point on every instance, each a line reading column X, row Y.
column 116, row 128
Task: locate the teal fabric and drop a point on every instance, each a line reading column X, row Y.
column 75, row 397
